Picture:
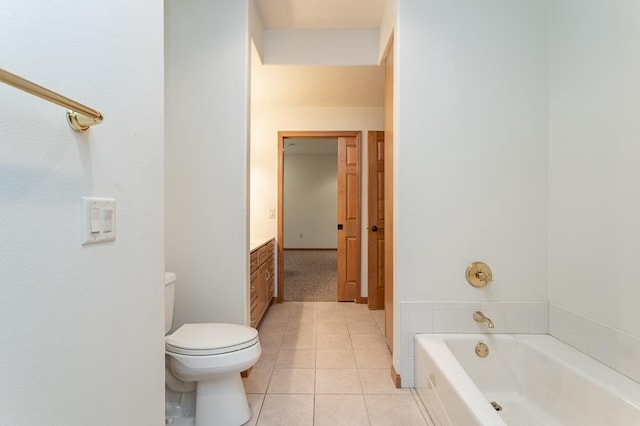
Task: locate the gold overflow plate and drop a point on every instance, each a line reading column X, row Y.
column 482, row 350
column 479, row 274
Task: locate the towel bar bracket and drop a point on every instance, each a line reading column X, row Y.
column 79, row 122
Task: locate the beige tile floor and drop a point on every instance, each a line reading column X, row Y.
column 326, row 363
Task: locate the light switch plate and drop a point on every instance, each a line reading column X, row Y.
column 101, row 228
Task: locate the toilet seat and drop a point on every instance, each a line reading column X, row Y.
column 210, row 339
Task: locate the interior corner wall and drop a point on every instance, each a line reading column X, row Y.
column 256, row 28
column 310, row 190
column 82, row 335
column 207, row 62
column 387, row 26
column 471, row 149
column 594, row 174
column 266, row 122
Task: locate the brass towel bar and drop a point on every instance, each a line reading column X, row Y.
column 80, row 117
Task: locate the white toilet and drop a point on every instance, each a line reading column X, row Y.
column 213, row 355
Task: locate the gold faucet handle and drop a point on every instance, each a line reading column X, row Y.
column 479, row 274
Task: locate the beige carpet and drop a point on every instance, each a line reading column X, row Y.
column 310, row 276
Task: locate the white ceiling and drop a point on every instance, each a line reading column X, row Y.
column 320, row 14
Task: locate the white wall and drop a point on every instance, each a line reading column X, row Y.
column 321, row 47
column 265, row 124
column 471, row 135
column 471, row 153
column 310, row 200
column 594, row 174
column 207, row 47
column 82, row 327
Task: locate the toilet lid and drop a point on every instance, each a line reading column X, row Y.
column 210, row 339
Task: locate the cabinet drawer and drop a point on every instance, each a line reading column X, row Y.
column 265, row 252
column 253, row 261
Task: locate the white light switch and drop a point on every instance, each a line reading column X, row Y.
column 107, row 214
column 95, row 223
column 98, row 220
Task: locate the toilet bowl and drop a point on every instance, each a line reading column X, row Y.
column 213, row 355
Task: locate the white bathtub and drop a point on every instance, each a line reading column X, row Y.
column 536, row 379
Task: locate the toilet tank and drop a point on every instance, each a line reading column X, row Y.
column 169, row 294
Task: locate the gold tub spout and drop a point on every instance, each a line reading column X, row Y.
column 479, row 317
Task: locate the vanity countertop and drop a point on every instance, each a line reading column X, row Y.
column 257, row 242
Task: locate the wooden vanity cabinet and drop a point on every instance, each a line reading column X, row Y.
column 262, row 280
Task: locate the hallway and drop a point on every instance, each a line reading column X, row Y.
column 310, row 276
column 326, row 363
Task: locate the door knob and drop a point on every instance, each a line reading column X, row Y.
column 374, row 228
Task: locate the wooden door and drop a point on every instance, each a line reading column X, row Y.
column 348, row 218
column 375, row 237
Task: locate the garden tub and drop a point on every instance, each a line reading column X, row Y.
column 502, row 379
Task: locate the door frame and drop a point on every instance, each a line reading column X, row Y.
column 375, row 256
column 389, row 197
column 282, row 135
